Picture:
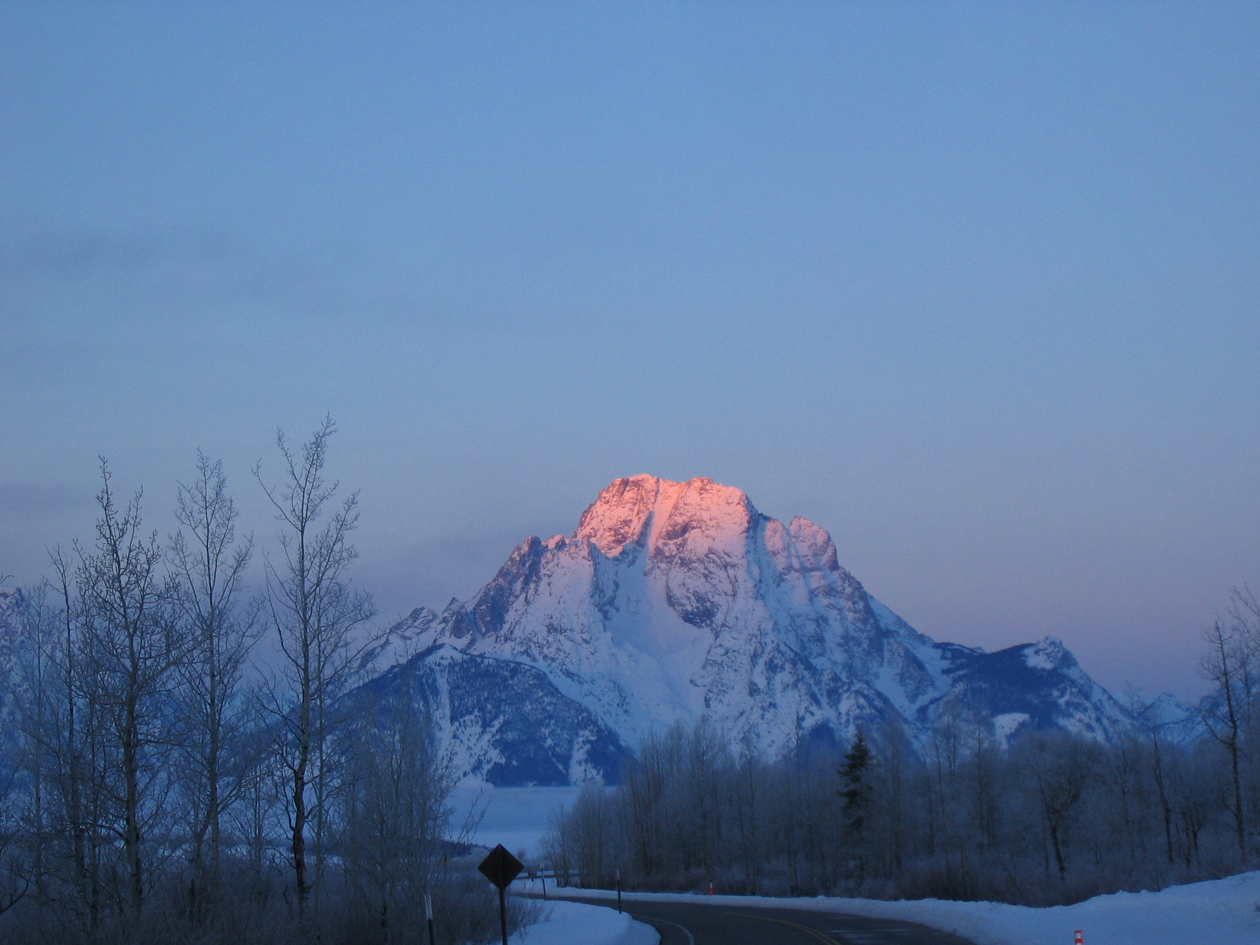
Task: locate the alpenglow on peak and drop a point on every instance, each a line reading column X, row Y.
column 645, row 509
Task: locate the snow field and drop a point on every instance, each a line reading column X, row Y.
column 1218, row 912
column 575, row 923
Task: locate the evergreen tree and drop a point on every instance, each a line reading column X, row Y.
column 856, row 796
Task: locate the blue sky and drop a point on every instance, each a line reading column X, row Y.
column 972, row 286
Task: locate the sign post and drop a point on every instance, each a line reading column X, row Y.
column 501, row 867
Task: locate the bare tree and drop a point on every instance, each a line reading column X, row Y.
column 1060, row 768
column 14, row 883
column 14, row 634
column 73, row 725
column 393, row 813
column 1159, row 775
column 314, row 612
column 209, row 569
column 749, row 813
column 1228, row 666
column 132, row 648
column 37, row 678
column 893, row 755
column 590, row 836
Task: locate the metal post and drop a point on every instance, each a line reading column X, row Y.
column 502, row 916
column 618, row 891
column 428, row 914
column 543, row 877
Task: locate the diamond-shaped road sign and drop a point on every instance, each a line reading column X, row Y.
column 501, row 867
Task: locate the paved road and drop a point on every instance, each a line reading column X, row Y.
column 685, row 923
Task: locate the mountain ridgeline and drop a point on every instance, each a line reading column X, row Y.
column 674, row 601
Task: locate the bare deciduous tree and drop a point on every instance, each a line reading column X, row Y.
column 314, row 613
column 209, row 568
column 392, row 804
column 132, row 648
column 1228, row 666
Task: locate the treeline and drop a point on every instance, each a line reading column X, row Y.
column 1050, row 819
column 158, row 786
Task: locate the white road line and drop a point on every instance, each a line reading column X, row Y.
column 864, row 936
column 691, row 939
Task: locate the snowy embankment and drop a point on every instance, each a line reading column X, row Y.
column 574, row 923
column 1219, row 912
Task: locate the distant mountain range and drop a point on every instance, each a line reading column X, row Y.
column 677, row 600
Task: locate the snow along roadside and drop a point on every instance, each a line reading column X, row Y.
column 1220, row 912
column 575, row 923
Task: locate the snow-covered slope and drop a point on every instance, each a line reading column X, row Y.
column 676, row 600
column 501, row 721
column 1217, row 912
column 577, row 923
column 1038, row 684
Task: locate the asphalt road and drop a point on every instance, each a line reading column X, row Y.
column 685, row 923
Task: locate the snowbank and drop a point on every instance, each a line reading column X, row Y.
column 1220, row 912
column 574, row 923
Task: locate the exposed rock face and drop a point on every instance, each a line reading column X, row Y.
column 503, row 722
column 1038, row 684
column 673, row 600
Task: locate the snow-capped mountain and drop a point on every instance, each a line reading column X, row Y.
column 1036, row 684
column 676, row 600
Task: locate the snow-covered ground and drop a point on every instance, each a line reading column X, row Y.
column 1220, row 912
column 574, row 923
column 514, row 817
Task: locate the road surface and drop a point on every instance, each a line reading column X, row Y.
column 701, row 923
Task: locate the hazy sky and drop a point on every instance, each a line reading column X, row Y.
column 973, row 287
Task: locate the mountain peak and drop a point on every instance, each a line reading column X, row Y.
column 661, row 513
column 1048, row 654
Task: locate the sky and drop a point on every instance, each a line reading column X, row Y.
column 974, row 287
